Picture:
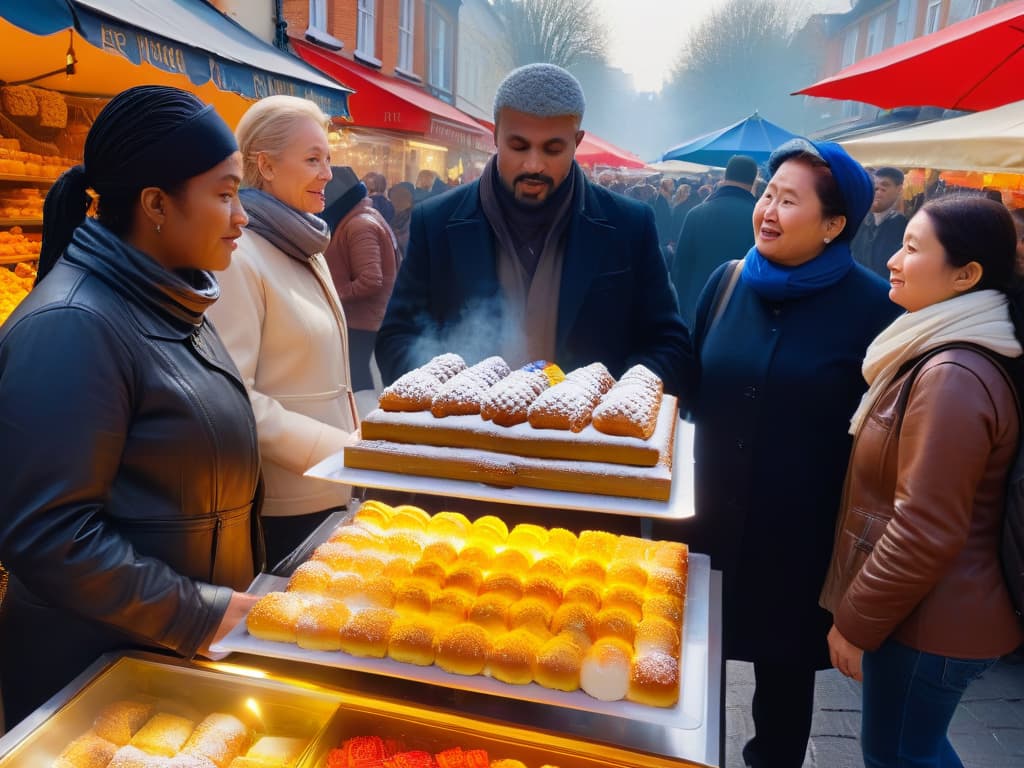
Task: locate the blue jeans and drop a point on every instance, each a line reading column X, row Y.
column 909, row 699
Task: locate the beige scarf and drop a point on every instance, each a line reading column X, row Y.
column 978, row 317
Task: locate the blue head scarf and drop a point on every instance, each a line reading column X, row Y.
column 776, row 282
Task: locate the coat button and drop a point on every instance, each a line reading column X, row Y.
column 750, row 392
column 740, row 444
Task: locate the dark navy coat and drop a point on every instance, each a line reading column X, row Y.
column 778, row 383
column 616, row 304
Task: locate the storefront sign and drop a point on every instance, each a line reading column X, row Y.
column 455, row 136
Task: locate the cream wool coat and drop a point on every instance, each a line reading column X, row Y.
column 283, row 324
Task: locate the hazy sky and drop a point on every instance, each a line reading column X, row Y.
column 645, row 36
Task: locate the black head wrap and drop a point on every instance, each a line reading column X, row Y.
column 147, row 136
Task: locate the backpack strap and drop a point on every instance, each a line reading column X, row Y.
column 723, row 292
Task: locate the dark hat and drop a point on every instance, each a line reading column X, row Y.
column 343, row 179
column 741, row 169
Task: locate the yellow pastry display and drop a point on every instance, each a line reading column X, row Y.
column 560, row 609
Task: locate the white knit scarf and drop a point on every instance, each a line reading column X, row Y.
column 978, row 317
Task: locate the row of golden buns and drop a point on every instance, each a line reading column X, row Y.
column 15, row 285
column 138, row 734
column 597, row 612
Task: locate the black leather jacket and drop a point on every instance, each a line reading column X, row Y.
column 131, row 467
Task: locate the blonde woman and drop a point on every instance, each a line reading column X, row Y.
column 281, row 319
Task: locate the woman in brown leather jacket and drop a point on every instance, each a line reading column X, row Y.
column 915, row 586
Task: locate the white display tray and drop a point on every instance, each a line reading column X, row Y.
column 678, row 507
column 686, row 714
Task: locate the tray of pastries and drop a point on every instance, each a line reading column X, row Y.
column 536, row 427
column 140, row 713
column 590, row 621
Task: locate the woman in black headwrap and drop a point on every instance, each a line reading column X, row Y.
column 129, row 517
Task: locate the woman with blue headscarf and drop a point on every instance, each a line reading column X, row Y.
column 780, row 337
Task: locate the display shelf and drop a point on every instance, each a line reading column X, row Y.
column 26, row 179
column 6, row 260
column 36, row 221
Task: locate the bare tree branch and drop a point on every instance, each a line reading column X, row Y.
column 559, row 32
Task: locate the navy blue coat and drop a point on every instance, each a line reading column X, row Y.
column 615, row 305
column 778, row 383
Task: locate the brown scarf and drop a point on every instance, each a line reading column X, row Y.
column 531, row 300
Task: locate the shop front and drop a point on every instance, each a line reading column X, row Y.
column 398, row 129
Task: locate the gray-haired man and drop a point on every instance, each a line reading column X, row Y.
column 532, row 260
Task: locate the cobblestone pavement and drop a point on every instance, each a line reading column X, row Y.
column 987, row 730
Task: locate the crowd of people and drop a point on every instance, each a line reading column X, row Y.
column 197, row 344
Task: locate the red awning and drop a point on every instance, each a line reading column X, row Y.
column 596, row 151
column 386, row 102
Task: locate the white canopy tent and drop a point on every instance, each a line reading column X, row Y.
column 990, row 141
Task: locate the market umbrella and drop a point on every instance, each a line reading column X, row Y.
column 753, row 136
column 594, row 151
column 973, row 65
column 991, row 141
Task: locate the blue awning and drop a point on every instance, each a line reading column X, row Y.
column 183, row 37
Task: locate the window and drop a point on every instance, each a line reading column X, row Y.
column 366, row 29
column 439, row 65
column 850, row 47
column 931, row 19
column 876, row 35
column 961, row 9
column 906, row 21
column 318, row 15
column 406, row 27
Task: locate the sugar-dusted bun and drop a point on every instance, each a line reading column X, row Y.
column 554, row 566
column 377, row 592
column 503, row 583
column 478, row 553
column 449, row 524
column 319, row 626
column 507, row 401
column 627, row 572
column 630, row 408
column 493, row 525
column 583, row 591
column 414, row 390
column 664, row 607
column 220, row 738
column 567, row 406
column 442, row 551
column 450, row 606
column 118, row 722
column 413, row 595
column 464, row 393
column 577, row 619
column 412, row 640
column 563, row 542
column 277, row 750
column 633, row 549
column 188, row 760
column 163, row 734
column 462, row 649
column 88, row 751
column 532, row 614
column 398, row 568
column 667, row 581
column 512, row 559
column 276, row 616
column 670, row 554
column 604, row 673
column 133, row 757
column 654, row 679
column 345, row 586
column 586, row 567
column 429, row 572
column 543, row 588
column 625, row 597
column 657, row 635
column 558, row 664
column 373, row 514
column 464, row 577
column 490, row 611
column 366, row 633
column 359, row 538
column 313, row 576
column 529, row 538
column 614, row 622
column 599, row 545
column 512, row 657
column 402, row 543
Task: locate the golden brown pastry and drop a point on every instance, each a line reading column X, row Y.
column 366, row 633
column 507, row 402
column 220, row 738
column 654, row 679
column 512, row 657
column 88, row 751
column 163, row 734
column 412, row 640
column 630, row 408
column 277, row 750
column 462, row 649
column 605, row 670
column 133, row 757
column 118, row 722
column 558, row 664
column 464, row 393
column 276, row 616
column 319, row 626
column 415, row 390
